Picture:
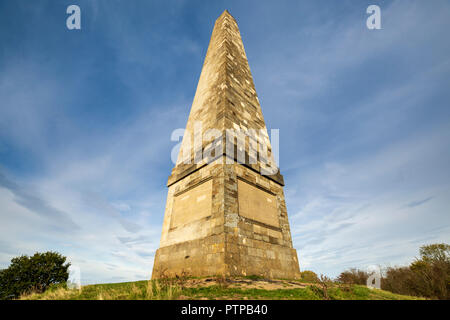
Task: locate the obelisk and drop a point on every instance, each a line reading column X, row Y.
column 225, row 211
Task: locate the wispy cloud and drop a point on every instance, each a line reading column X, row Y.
column 34, row 203
column 418, row 202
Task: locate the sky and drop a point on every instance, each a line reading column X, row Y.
column 86, row 118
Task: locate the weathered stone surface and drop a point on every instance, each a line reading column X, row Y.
column 224, row 218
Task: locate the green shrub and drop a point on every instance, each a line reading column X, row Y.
column 317, row 291
column 353, row 276
column 428, row 276
column 309, row 276
column 36, row 273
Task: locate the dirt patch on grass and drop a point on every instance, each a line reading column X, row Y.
column 265, row 284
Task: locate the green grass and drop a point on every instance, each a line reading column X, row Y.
column 152, row 290
column 308, row 293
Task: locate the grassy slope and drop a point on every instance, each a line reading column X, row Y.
column 154, row 290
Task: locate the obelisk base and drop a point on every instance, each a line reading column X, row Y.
column 221, row 255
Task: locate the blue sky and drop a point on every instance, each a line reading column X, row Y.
column 86, row 118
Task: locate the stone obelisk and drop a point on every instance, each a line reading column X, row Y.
column 225, row 211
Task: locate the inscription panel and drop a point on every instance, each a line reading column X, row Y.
column 192, row 205
column 257, row 204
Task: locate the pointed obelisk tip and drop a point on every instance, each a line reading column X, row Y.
column 225, row 13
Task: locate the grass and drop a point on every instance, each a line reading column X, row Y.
column 168, row 290
column 308, row 293
column 139, row 290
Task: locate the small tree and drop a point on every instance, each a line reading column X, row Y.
column 432, row 271
column 309, row 276
column 428, row 276
column 438, row 252
column 353, row 276
column 35, row 273
column 325, row 283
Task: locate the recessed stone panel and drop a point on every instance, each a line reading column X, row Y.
column 257, row 204
column 192, row 205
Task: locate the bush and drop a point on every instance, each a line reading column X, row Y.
column 398, row 280
column 353, row 276
column 428, row 276
column 36, row 273
column 309, row 276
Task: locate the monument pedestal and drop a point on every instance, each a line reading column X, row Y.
column 226, row 219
